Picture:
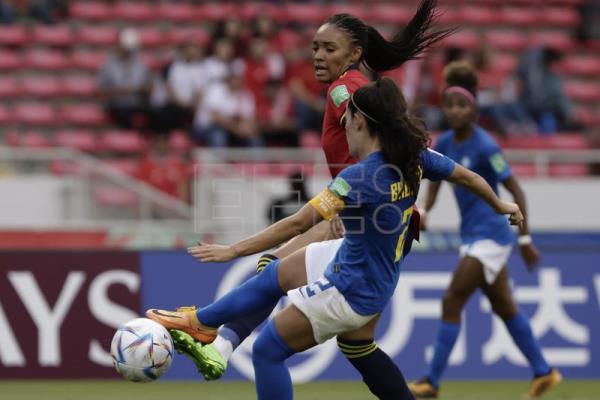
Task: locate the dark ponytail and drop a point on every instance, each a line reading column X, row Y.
column 380, row 55
column 402, row 138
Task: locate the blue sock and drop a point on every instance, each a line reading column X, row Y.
column 520, row 330
column 254, row 295
column 447, row 335
column 273, row 380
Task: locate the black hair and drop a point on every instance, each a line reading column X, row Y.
column 380, row 55
column 461, row 73
column 401, row 136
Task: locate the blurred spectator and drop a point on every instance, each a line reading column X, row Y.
column 7, row 12
column 48, row 11
column 262, row 65
column 163, row 170
column 226, row 115
column 497, row 99
column 44, row 11
column 308, row 94
column 275, row 115
column 589, row 29
column 184, row 82
column 222, row 61
column 541, row 90
column 288, row 205
column 125, row 83
column 232, row 29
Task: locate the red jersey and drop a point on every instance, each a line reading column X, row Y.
column 333, row 137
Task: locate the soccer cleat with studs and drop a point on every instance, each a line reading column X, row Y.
column 207, row 359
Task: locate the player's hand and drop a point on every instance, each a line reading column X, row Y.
column 530, row 255
column 515, row 216
column 336, row 228
column 212, row 252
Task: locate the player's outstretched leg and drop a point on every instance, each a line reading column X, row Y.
column 232, row 334
column 207, row 360
column 255, row 294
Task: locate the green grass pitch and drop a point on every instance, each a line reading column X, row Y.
column 340, row 390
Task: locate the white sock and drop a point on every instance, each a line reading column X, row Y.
column 223, row 346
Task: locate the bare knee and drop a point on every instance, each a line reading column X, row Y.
column 452, row 305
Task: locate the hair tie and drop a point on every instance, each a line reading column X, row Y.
column 463, row 91
column 361, row 111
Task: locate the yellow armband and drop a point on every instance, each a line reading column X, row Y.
column 327, row 204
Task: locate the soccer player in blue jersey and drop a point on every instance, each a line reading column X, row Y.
column 487, row 238
column 375, row 200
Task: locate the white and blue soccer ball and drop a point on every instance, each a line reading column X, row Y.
column 142, row 350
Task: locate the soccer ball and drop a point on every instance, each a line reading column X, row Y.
column 142, row 350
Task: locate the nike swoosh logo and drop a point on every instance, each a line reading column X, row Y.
column 170, row 315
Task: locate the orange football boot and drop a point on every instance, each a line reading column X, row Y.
column 184, row 319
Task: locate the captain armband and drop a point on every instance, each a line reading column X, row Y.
column 327, row 204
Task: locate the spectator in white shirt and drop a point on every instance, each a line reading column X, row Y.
column 218, row 65
column 226, row 116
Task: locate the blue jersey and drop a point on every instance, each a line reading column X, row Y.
column 481, row 154
column 377, row 207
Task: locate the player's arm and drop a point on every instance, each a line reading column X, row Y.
column 430, row 197
column 529, row 252
column 323, row 207
column 476, row 184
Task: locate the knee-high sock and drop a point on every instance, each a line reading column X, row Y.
column 520, row 330
column 237, row 331
column 383, row 378
column 447, row 335
column 273, row 380
column 253, row 295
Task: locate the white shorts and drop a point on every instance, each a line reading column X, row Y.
column 317, row 258
column 327, row 309
column 492, row 255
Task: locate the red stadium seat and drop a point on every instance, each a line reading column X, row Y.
column 57, row 35
column 50, row 60
column 10, row 60
column 127, row 166
column 582, row 91
column 6, row 116
column 463, row 39
column 42, row 86
column 390, row 13
column 508, row 39
column 558, row 141
column 13, row 35
column 31, row 139
column 95, row 11
column 138, row 11
column 176, row 12
column 177, row 35
column 560, row 16
column 102, row 35
column 152, row 37
column 35, row 114
column 115, row 196
column 573, row 170
column 83, row 114
column 62, row 168
column 504, row 63
column 79, row 86
column 556, row 39
column 8, row 88
column 83, row 140
column 520, row 16
column 447, row 16
column 214, row 11
column 474, row 15
column 305, row 13
column 123, row 141
column 88, row 60
column 581, row 65
column 524, row 170
column 310, row 140
column 250, row 10
column 358, row 10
